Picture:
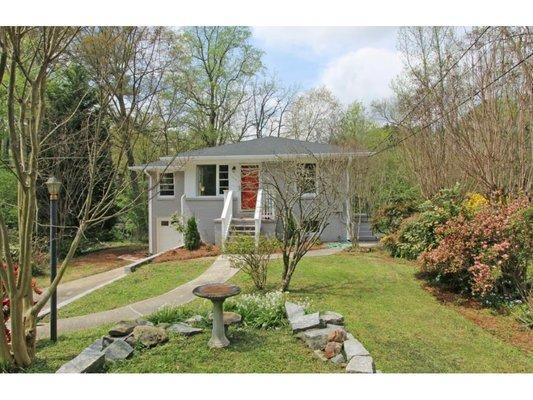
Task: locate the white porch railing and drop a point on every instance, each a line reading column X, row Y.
column 227, row 215
column 267, row 205
column 258, row 216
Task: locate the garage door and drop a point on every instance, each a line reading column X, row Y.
column 167, row 236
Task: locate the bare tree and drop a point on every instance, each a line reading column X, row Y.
column 306, row 195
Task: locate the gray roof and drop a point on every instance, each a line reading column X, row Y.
column 263, row 147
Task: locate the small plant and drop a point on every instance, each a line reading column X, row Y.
column 263, row 311
column 251, row 259
column 176, row 220
column 170, row 315
column 192, row 236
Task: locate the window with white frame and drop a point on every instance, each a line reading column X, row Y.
column 223, row 178
column 166, row 185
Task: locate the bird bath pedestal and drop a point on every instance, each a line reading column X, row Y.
column 217, row 293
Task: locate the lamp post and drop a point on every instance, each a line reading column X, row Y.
column 53, row 186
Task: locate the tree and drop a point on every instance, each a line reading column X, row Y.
column 305, row 194
column 216, row 65
column 314, row 116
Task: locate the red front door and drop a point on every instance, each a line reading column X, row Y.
column 249, row 186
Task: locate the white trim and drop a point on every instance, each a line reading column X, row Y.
column 150, row 215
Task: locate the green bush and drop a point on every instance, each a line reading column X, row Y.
column 416, row 233
column 388, row 218
column 8, row 197
column 170, row 315
column 251, row 259
column 192, row 236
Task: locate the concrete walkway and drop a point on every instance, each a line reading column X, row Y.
column 219, row 271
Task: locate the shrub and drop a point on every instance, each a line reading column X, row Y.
column 251, row 259
column 486, row 255
column 416, row 233
column 192, row 236
column 170, row 315
column 388, row 218
column 260, row 310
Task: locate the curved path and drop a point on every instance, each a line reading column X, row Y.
column 219, row 271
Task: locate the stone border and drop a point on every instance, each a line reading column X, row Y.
column 325, row 334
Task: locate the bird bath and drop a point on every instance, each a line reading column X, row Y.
column 217, row 293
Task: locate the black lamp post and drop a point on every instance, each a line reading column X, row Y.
column 53, row 186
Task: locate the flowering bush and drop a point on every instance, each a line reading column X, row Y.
column 473, row 203
column 261, row 310
column 485, row 254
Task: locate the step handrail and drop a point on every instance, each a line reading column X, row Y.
column 258, row 215
column 227, row 216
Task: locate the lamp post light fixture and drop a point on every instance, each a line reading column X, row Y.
column 53, row 186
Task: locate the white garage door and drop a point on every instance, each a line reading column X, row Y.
column 167, row 236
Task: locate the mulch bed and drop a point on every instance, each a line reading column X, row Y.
column 184, row 254
column 505, row 328
column 109, row 256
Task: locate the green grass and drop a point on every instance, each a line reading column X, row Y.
column 148, row 281
column 403, row 326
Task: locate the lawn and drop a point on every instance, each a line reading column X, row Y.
column 149, row 280
column 405, row 328
column 98, row 261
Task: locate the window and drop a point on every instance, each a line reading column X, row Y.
column 309, row 178
column 207, row 180
column 166, row 184
column 165, row 223
column 223, row 178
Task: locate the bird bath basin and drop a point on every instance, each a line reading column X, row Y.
column 217, row 293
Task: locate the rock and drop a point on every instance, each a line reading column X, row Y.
column 123, row 328
column 97, row 346
column 149, row 336
column 141, row 321
column 118, row 350
column 317, row 338
column 332, row 349
column 293, row 310
column 163, row 325
column 331, row 317
column 231, row 318
column 320, row 355
column 353, row 348
column 349, row 336
column 194, row 320
column 338, row 359
column 91, row 359
column 183, row 329
column 361, row 365
column 337, row 335
column 107, row 340
column 305, row 322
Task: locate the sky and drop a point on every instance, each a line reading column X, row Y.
column 355, row 63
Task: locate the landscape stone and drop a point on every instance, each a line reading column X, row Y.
column 338, row 359
column 349, row 336
column 231, row 318
column 361, row 365
column 149, row 336
column 305, row 322
column 163, row 325
column 183, row 329
column 195, row 319
column 353, row 348
column 91, row 359
column 317, row 338
column 293, row 310
column 320, row 355
column 332, row 349
column 122, row 328
column 141, row 321
column 118, row 350
column 337, row 335
column 331, row 317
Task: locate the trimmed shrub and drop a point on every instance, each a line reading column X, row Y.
column 192, row 236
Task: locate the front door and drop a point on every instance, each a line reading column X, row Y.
column 249, row 186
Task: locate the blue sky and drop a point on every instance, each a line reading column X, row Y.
column 355, row 63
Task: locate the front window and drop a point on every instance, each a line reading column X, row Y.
column 166, row 184
column 309, row 178
column 223, row 178
column 207, row 180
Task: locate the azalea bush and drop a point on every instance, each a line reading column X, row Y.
column 263, row 311
column 485, row 255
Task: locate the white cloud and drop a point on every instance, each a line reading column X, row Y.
column 313, row 41
column 363, row 75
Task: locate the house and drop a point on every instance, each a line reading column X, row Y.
column 222, row 187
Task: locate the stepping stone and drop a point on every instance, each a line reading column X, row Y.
column 91, row 359
column 183, row 329
column 118, row 350
column 293, row 310
column 353, row 348
column 331, row 317
column 318, row 338
column 123, row 328
column 338, row 359
column 361, row 365
column 305, row 322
